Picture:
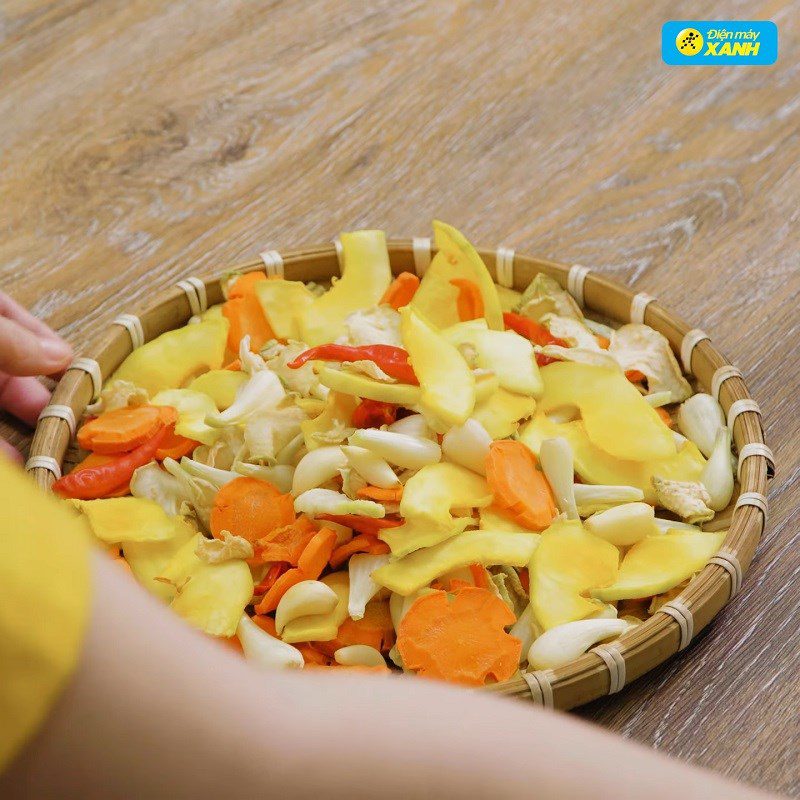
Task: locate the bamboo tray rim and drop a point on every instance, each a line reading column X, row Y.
column 605, row 669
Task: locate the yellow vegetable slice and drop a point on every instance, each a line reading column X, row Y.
column 659, row 563
column 212, row 597
column 366, row 275
column 322, row 627
column 446, row 381
column 220, row 385
column 148, row 560
column 596, row 466
column 351, row 383
column 493, row 519
column 509, row 298
column 428, row 498
column 127, row 519
column 567, row 564
column 193, row 408
column 507, row 354
column 173, row 359
column 500, row 413
column 408, row 574
column 330, row 427
column 285, row 304
column 616, row 417
column 457, row 258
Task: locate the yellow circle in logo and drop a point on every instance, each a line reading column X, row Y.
column 689, row 41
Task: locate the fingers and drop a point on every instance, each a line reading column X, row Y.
column 12, row 310
column 25, row 352
column 23, row 397
column 10, row 452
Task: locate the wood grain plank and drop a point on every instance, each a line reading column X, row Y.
column 142, row 142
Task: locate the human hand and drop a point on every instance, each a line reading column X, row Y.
column 28, row 348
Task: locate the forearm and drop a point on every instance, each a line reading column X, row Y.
column 156, row 710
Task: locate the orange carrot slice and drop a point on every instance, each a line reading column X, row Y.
column 317, row 552
column 313, row 657
column 371, row 527
column 234, row 366
column 603, row 342
column 459, row 637
column 250, row 508
column 266, row 624
column 271, row 599
column 401, row 291
column 634, row 376
column 245, row 314
column 175, row 446
column 374, row 629
column 288, row 542
column 470, row 300
column 394, row 495
column 518, row 487
column 363, row 543
column 665, row 417
column 120, row 430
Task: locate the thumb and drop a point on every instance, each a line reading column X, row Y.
column 23, row 352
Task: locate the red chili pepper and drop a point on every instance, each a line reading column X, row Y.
column 366, row 525
column 374, row 413
column 534, row 332
column 392, row 360
column 94, row 482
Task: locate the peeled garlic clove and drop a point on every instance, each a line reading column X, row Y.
column 468, row 446
column 526, row 630
column 700, row 418
column 412, row 425
column 304, row 599
column 264, row 650
column 717, row 475
column 408, row 452
column 622, row 525
column 563, row 643
column 359, row 655
column 317, row 467
column 556, row 458
column 373, row 469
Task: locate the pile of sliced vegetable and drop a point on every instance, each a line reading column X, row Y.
column 442, row 476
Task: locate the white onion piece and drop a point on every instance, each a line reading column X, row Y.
column 557, row 462
column 373, row 469
column 413, row 425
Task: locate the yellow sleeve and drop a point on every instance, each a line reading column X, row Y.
column 44, row 604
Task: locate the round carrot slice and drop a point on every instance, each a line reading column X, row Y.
column 250, row 508
column 120, row 430
column 459, row 637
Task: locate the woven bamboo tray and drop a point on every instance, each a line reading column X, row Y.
column 607, row 668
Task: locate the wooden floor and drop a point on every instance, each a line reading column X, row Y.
column 141, row 142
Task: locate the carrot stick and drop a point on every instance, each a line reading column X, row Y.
column 265, row 623
column 519, row 488
column 234, row 366
column 394, row 495
column 371, row 527
column 470, row 299
column 317, row 552
column 288, row 542
column 363, row 543
column 97, row 460
column 479, row 576
column 375, row 629
column 245, row 284
column 401, row 291
column 120, row 430
column 271, row 599
column 268, row 581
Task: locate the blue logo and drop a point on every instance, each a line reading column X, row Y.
column 727, row 42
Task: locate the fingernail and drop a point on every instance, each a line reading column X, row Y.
column 56, row 351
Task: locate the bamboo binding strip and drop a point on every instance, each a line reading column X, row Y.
column 601, row 670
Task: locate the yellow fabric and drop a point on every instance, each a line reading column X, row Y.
column 44, row 604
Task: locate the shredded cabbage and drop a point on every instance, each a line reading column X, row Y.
column 325, row 501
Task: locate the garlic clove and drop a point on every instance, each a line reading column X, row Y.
column 564, row 643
